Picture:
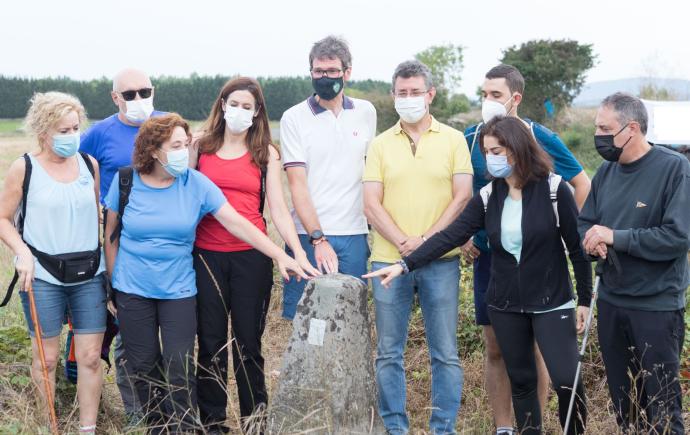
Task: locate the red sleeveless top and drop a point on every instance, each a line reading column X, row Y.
column 240, row 181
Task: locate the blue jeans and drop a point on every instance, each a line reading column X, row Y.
column 482, row 275
column 353, row 253
column 437, row 286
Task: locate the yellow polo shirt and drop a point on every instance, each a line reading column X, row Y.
column 416, row 188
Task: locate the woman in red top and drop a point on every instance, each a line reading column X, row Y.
column 232, row 277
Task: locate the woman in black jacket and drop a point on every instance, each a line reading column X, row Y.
column 530, row 293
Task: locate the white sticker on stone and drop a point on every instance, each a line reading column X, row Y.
column 317, row 329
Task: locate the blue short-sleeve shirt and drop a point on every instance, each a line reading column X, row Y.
column 564, row 162
column 158, row 230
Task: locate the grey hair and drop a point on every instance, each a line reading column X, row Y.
column 331, row 47
column 413, row 68
column 628, row 108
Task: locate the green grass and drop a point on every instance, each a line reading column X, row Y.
column 10, row 127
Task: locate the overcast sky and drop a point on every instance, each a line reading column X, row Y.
column 85, row 39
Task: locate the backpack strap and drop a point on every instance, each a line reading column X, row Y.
column 485, row 193
column 554, row 182
column 125, row 176
column 474, row 136
column 25, row 193
column 89, row 164
column 92, row 170
column 262, row 193
column 19, row 223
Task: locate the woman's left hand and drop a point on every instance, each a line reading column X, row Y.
column 582, row 313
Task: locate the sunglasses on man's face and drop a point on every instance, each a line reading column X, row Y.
column 143, row 93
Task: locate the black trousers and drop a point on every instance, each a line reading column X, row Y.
column 641, row 351
column 163, row 376
column 235, row 284
column 556, row 336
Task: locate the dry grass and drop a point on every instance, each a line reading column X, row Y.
column 17, row 408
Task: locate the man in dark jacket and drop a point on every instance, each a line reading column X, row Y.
column 639, row 206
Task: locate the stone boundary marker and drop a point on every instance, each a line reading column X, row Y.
column 327, row 383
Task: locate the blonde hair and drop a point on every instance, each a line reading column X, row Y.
column 47, row 109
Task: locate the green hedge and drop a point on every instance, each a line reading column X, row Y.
column 189, row 96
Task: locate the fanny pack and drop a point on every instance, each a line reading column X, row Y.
column 72, row 267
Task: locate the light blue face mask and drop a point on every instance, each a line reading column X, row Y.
column 66, row 145
column 178, row 162
column 498, row 166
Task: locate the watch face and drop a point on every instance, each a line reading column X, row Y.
column 316, row 235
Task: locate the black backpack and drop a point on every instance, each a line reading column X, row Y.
column 68, row 268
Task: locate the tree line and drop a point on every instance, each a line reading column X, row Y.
column 553, row 69
column 191, row 96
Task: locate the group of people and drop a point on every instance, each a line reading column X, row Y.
column 186, row 249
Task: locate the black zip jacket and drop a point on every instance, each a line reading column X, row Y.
column 541, row 280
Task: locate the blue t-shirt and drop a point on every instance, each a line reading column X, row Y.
column 564, row 162
column 111, row 143
column 158, row 231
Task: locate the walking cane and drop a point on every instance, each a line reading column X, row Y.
column 39, row 342
column 598, row 271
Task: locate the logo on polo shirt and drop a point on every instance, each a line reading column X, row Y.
column 355, row 133
column 640, row 204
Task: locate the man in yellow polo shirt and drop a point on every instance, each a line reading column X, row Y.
column 417, row 180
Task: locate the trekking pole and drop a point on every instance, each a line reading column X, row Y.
column 39, row 343
column 598, row 271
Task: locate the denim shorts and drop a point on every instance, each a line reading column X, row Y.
column 84, row 303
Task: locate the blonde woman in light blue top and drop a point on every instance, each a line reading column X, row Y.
column 61, row 217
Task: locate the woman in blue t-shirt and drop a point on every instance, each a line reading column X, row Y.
column 151, row 269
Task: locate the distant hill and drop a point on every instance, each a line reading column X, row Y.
column 593, row 93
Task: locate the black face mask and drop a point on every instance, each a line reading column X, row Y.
column 327, row 88
column 605, row 147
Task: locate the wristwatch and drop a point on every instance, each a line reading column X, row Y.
column 316, row 236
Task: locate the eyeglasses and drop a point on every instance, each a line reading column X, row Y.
column 413, row 93
column 143, row 93
column 331, row 73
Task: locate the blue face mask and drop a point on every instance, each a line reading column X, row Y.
column 178, row 162
column 66, row 145
column 498, row 166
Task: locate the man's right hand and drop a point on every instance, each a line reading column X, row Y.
column 326, row 260
column 469, row 251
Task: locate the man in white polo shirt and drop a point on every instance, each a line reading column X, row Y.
column 323, row 143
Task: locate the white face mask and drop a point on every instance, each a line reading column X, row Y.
column 178, row 162
column 139, row 111
column 411, row 109
column 492, row 109
column 238, row 119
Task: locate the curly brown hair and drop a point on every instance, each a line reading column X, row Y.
column 152, row 134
